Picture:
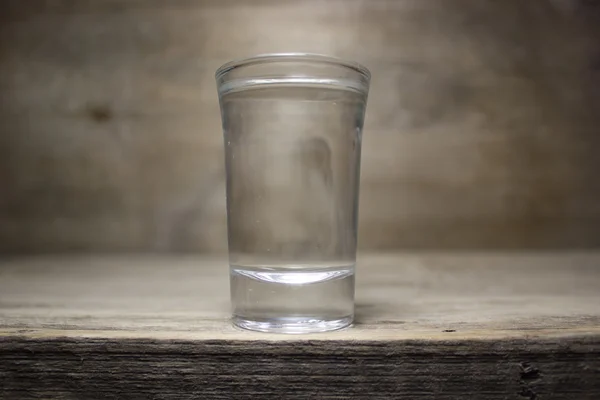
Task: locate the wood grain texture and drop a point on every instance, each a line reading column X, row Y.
column 111, row 138
column 443, row 326
column 178, row 369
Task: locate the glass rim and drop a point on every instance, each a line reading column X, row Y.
column 285, row 57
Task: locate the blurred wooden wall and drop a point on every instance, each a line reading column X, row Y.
column 482, row 127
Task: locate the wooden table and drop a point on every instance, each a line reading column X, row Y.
column 428, row 326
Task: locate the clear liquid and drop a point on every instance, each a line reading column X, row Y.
column 292, row 299
column 293, row 159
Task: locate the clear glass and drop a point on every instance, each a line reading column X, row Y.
column 292, row 125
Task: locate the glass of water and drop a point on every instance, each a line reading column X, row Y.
column 292, row 125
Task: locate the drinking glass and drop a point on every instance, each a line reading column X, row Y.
column 292, row 125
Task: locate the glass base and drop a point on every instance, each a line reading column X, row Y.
column 293, row 325
column 293, row 299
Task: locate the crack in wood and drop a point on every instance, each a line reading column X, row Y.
column 529, row 375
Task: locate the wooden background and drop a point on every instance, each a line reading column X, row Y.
column 482, row 124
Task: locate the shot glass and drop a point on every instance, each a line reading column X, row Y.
column 292, row 126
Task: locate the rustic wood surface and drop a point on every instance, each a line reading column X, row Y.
column 444, row 326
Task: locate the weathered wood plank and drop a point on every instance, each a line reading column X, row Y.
column 175, row 369
column 411, row 297
column 443, row 326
